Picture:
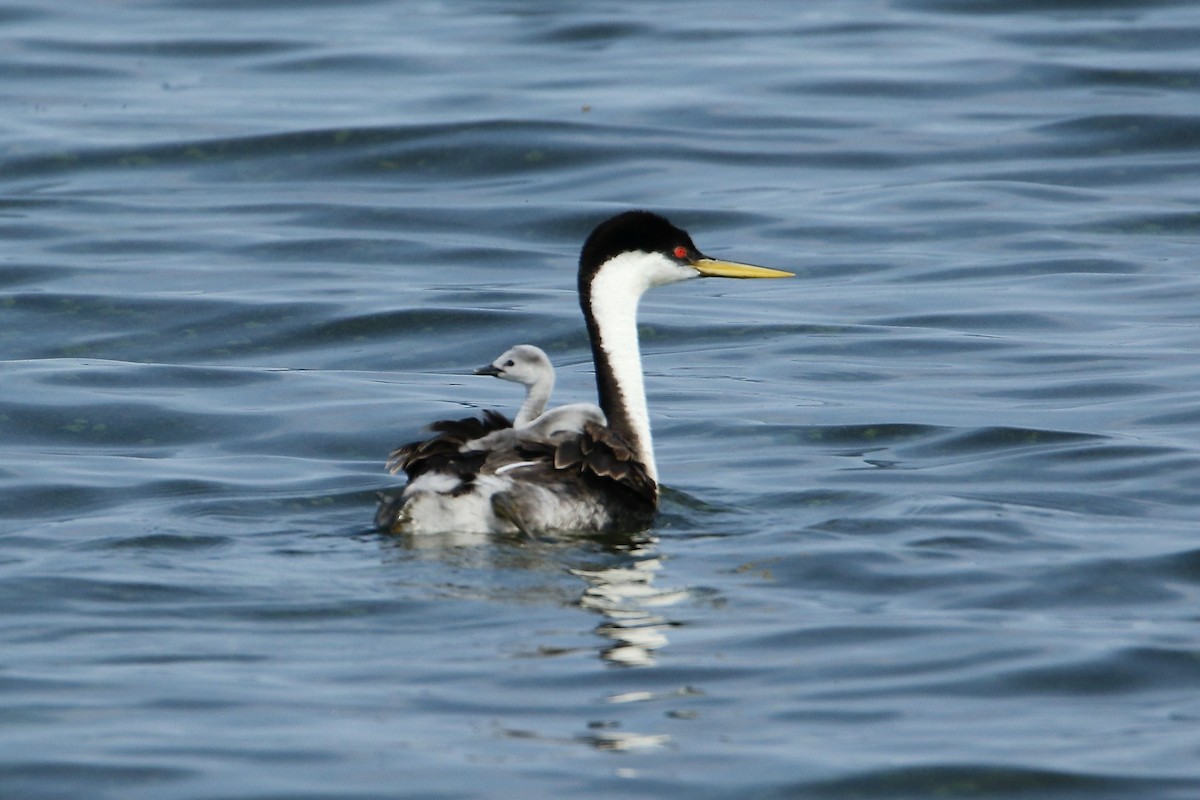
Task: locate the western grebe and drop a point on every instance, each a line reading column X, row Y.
column 604, row 478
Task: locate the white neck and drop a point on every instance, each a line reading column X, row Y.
column 615, row 292
column 537, row 394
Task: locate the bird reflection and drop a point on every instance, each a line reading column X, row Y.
column 618, row 573
column 618, row 576
column 624, row 594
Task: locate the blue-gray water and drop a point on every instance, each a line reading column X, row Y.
column 931, row 525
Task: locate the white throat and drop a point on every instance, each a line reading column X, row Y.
column 615, row 291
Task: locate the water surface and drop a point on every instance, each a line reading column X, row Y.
column 929, row 525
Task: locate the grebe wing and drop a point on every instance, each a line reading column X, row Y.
column 440, row 451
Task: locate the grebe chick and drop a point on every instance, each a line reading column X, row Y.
column 529, row 365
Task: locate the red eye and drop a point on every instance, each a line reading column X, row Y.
column 681, row 252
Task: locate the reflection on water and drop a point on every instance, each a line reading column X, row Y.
column 609, row 740
column 621, row 589
column 624, row 595
column 627, row 742
column 618, row 574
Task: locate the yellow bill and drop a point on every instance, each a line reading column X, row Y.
column 714, row 268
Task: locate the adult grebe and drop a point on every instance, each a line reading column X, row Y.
column 603, row 479
column 530, row 366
